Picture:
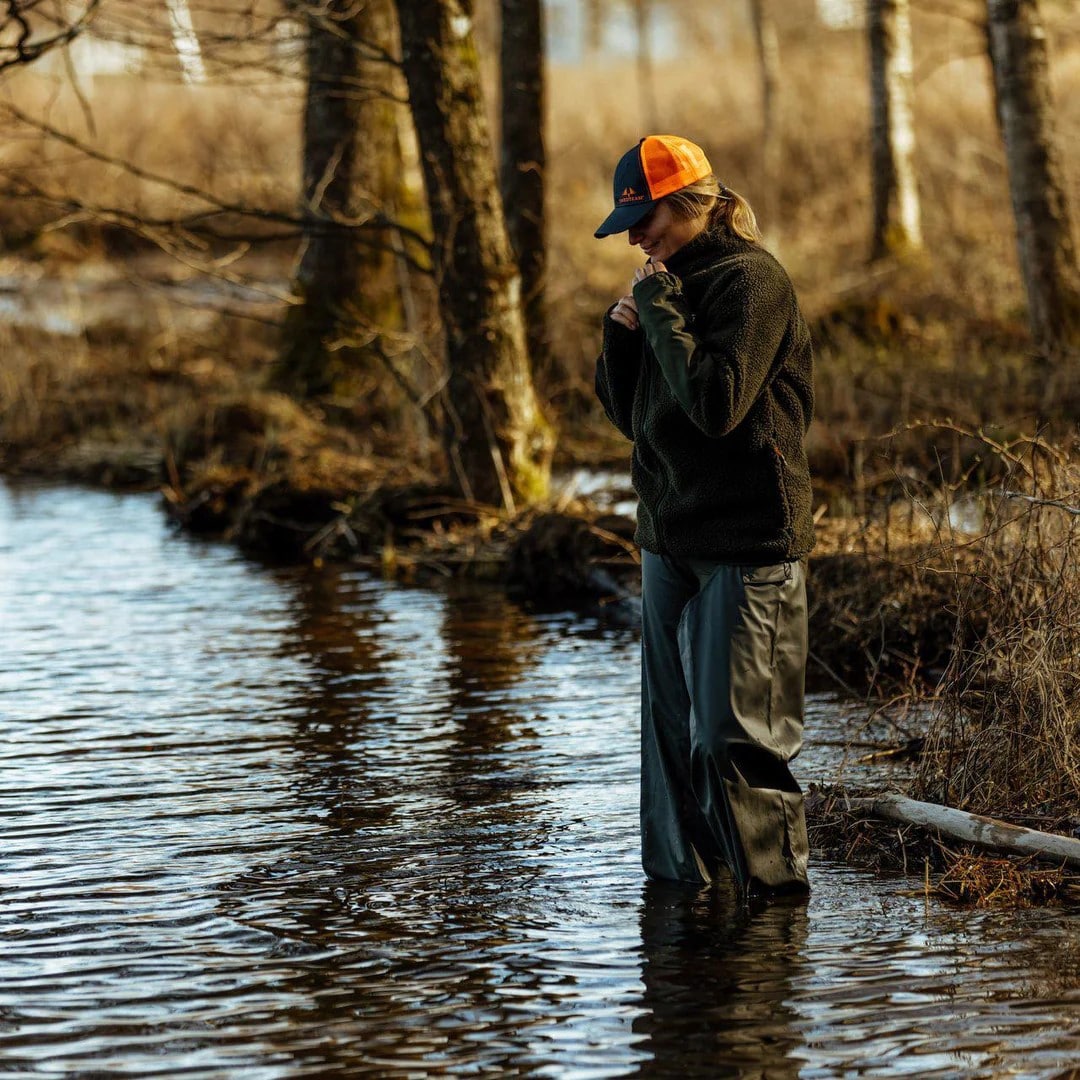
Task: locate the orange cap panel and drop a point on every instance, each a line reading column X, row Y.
column 671, row 163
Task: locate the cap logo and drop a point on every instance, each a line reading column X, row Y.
column 629, row 195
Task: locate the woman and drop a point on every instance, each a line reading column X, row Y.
column 707, row 367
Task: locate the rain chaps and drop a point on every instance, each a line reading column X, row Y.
column 722, row 692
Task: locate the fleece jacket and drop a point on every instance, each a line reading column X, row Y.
column 716, row 391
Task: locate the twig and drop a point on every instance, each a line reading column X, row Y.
column 1041, row 502
column 26, row 51
column 832, row 675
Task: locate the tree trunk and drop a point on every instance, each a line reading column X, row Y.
column 185, row 41
column 344, row 280
column 593, row 18
column 522, row 176
column 897, row 226
column 646, row 83
column 498, row 442
column 1017, row 44
column 768, row 50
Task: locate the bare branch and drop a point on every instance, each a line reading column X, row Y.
column 1069, row 509
column 1004, row 450
column 25, row 50
column 377, row 219
column 192, row 233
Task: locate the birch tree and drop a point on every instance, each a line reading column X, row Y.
column 523, row 161
column 498, row 442
column 897, row 223
column 1017, row 43
column 186, row 41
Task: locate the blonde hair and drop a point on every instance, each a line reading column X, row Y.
column 721, row 205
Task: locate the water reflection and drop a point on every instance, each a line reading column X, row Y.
column 703, row 956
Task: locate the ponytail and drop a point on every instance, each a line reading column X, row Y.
column 735, row 212
column 723, row 208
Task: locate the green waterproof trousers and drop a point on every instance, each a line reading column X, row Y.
column 722, row 690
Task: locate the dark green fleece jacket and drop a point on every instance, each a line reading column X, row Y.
column 716, row 392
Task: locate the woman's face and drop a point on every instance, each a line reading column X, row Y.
column 660, row 234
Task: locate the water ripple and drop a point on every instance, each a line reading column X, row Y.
column 283, row 824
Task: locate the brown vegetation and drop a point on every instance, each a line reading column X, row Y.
column 947, row 336
column 948, row 871
column 979, row 606
column 1006, row 727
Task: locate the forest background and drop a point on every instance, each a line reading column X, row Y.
column 250, row 256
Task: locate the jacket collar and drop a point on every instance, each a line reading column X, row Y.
column 707, row 246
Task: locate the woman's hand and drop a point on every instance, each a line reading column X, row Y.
column 625, row 312
column 647, row 270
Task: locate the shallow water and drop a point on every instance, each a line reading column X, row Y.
column 97, row 298
column 273, row 823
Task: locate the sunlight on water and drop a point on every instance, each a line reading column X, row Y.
column 274, row 823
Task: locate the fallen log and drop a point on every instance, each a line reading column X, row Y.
column 972, row 828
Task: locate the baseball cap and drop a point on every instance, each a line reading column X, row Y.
column 657, row 166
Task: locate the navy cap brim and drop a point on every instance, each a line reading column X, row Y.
column 624, row 217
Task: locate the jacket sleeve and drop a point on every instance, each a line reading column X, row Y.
column 717, row 364
column 618, row 369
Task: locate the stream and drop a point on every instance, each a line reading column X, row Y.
column 272, row 823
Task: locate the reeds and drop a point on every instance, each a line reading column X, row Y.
column 988, row 882
column 1005, row 729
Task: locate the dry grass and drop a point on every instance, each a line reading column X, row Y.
column 961, row 874
column 957, row 599
column 94, row 405
column 240, row 147
column 985, row 882
column 1005, row 734
column 881, row 619
column 944, row 336
column 960, row 597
